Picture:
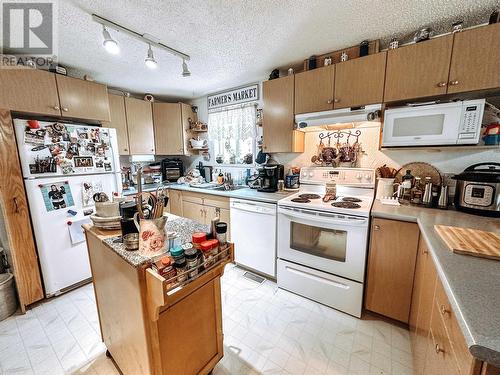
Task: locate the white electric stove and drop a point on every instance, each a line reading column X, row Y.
column 322, row 246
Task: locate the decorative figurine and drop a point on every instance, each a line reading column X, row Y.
column 290, row 71
column 328, row 61
column 422, row 34
column 457, row 26
column 364, row 48
column 274, row 74
column 344, row 57
column 394, row 43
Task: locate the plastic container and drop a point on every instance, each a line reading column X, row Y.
column 180, row 266
column 177, row 253
column 221, row 232
column 8, row 300
column 198, row 238
column 210, row 250
column 191, row 256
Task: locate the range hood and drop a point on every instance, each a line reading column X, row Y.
column 306, row 121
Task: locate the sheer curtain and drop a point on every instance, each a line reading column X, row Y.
column 232, row 133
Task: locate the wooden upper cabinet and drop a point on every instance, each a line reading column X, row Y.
column 29, row 90
column 119, row 122
column 391, row 267
column 360, row 81
column 418, row 70
column 278, row 117
column 169, row 132
column 82, row 99
column 140, row 126
column 475, row 62
column 314, row 90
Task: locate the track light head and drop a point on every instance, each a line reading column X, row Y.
column 150, row 59
column 109, row 43
column 185, row 69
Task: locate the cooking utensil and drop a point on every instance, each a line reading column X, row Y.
column 468, row 241
column 131, row 241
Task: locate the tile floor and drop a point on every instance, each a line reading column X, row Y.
column 266, row 331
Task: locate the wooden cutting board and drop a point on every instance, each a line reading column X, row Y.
column 473, row 242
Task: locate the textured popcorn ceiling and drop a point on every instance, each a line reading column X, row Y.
column 233, row 42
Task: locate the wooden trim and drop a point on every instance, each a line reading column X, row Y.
column 17, row 218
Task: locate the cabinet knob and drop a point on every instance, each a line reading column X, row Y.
column 336, row 100
column 329, row 101
column 441, row 84
column 454, row 83
column 152, row 149
column 376, row 227
column 16, row 205
column 125, row 149
column 444, row 310
column 439, row 349
column 56, row 107
column 65, row 109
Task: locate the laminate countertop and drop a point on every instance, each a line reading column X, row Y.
column 472, row 284
column 242, row 193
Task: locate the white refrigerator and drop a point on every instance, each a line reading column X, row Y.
column 63, row 165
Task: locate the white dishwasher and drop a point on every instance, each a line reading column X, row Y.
column 253, row 232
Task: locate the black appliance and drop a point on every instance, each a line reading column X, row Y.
column 269, row 175
column 478, row 189
column 127, row 212
column 171, row 169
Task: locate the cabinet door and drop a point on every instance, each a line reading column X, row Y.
column 140, row 126
column 82, row 99
column 278, row 119
column 418, row 70
column 119, row 122
column 169, row 132
column 29, row 90
column 175, row 202
column 186, row 114
column 194, row 211
column 360, row 81
column 475, row 63
column 15, row 218
column 421, row 309
column 391, row 266
column 314, row 90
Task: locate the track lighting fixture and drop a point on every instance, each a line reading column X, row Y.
column 185, row 69
column 150, row 59
column 109, row 43
column 112, row 46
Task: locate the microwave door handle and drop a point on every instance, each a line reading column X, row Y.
column 334, row 219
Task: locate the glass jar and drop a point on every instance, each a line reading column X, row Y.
column 210, row 250
column 221, row 230
column 168, row 271
column 198, row 238
column 180, row 266
column 177, row 253
column 191, row 256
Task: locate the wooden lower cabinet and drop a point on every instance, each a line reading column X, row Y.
column 391, row 266
column 175, row 202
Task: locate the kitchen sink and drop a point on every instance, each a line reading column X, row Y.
column 222, row 188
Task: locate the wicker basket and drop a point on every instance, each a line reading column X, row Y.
column 8, row 299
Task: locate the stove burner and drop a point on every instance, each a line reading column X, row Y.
column 351, row 199
column 345, row 205
column 309, row 196
column 300, row 200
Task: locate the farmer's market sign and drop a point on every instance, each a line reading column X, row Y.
column 235, row 96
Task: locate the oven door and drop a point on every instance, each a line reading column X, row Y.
column 436, row 124
column 325, row 241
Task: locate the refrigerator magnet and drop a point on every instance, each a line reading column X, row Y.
column 56, row 195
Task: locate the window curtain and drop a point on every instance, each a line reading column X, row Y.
column 232, row 132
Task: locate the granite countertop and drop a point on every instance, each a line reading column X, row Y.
column 472, row 284
column 243, row 193
column 182, row 226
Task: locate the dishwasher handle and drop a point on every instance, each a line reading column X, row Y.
column 252, row 207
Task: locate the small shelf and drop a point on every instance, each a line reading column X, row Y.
column 441, row 148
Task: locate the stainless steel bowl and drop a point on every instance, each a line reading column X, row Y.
column 131, row 241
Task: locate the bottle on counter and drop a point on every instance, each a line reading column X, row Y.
column 221, row 232
column 210, row 250
column 407, row 183
column 191, row 256
column 417, row 191
column 180, row 266
column 220, row 178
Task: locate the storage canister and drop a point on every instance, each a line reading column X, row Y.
column 210, row 249
column 180, row 266
column 191, row 256
column 221, row 230
column 168, row 271
column 198, row 238
column 8, row 300
column 177, row 253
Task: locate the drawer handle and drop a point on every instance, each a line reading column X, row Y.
column 454, row 83
column 438, row 349
column 444, row 310
column 56, row 107
column 16, row 205
column 441, row 84
column 329, row 101
column 65, row 109
column 376, row 227
column 336, row 100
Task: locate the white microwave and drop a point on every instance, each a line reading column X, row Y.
column 455, row 123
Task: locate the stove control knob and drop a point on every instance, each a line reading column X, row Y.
column 311, row 174
column 368, row 177
column 304, row 174
column 359, row 176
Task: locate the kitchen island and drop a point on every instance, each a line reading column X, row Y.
column 148, row 327
column 471, row 284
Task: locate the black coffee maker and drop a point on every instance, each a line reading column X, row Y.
column 269, row 175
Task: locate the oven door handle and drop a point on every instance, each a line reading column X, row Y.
column 332, row 218
column 317, row 278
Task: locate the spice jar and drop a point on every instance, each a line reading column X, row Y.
column 180, row 266
column 177, row 253
column 210, row 250
column 191, row 256
column 221, row 230
column 168, row 271
column 198, row 238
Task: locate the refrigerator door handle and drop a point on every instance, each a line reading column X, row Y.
column 16, row 205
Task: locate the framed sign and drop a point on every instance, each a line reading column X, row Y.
column 238, row 95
